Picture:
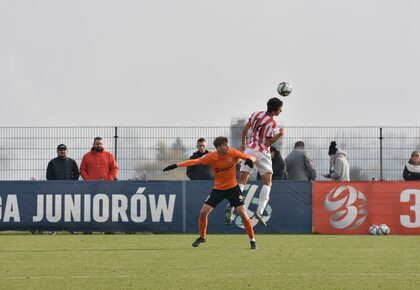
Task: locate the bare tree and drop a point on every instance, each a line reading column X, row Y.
column 164, row 156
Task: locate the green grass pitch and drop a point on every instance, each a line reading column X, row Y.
column 224, row 262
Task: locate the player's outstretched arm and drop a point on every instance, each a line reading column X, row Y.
column 190, row 162
column 244, row 134
column 249, row 159
column 170, row 167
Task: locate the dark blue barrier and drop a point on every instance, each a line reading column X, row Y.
column 153, row 206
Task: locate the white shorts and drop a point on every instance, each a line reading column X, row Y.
column 263, row 163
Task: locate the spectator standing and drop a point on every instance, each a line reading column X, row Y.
column 339, row 166
column 98, row 163
column 278, row 164
column 62, row 167
column 412, row 167
column 299, row 164
column 200, row 172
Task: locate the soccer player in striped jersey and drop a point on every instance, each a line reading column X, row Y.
column 262, row 127
column 223, row 164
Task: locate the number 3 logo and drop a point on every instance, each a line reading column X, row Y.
column 405, row 219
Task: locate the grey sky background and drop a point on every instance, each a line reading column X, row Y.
column 191, row 62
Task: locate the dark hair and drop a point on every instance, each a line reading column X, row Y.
column 276, row 152
column 299, row 144
column 333, row 148
column 273, row 104
column 97, row 138
column 220, row 141
column 201, row 140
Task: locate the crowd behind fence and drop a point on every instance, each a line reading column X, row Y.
column 374, row 152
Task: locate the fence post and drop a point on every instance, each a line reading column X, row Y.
column 380, row 155
column 116, row 143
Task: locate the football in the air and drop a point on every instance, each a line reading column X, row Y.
column 284, row 89
column 373, row 230
column 383, row 229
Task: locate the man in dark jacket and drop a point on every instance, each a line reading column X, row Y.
column 62, row 167
column 200, row 172
column 279, row 166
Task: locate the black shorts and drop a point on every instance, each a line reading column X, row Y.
column 233, row 195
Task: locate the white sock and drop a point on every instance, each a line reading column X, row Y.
column 263, row 199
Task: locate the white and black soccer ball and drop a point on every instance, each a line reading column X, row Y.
column 373, row 230
column 383, row 229
column 284, row 89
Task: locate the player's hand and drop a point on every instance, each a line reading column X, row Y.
column 242, row 148
column 282, row 131
column 170, row 167
column 249, row 162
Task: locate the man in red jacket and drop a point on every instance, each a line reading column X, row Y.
column 98, row 163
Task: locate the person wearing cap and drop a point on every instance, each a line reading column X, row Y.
column 339, row 166
column 98, row 163
column 62, row 167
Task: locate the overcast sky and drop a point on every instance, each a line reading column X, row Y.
column 192, row 62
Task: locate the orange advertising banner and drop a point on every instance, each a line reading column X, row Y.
column 352, row 207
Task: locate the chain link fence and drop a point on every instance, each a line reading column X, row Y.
column 378, row 153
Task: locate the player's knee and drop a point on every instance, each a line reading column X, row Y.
column 205, row 211
column 268, row 183
column 242, row 212
column 267, row 179
column 204, row 214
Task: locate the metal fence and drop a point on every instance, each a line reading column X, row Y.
column 374, row 152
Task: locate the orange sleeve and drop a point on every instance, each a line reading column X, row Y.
column 203, row 160
column 242, row 155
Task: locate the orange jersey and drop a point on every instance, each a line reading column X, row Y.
column 223, row 167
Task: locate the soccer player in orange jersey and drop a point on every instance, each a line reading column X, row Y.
column 223, row 164
column 261, row 126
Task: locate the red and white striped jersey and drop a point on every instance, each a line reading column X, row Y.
column 262, row 126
